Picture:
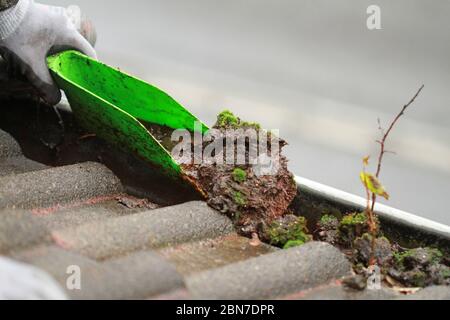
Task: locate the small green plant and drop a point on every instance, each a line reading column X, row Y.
column 288, row 232
column 352, row 226
column 359, row 218
column 239, row 175
column 372, row 185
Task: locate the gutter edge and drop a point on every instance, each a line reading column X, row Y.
column 389, row 213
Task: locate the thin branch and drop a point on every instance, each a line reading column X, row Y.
column 382, row 142
column 391, row 127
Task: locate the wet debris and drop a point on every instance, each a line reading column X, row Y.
column 136, row 203
column 251, row 194
column 402, row 269
column 327, row 229
column 420, row 267
column 363, row 249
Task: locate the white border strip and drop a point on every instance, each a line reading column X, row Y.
column 345, row 198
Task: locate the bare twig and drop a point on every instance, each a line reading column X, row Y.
column 385, row 137
column 383, row 151
column 386, row 134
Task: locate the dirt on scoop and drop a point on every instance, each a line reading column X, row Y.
column 253, row 194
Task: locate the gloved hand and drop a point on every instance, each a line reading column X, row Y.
column 43, row 30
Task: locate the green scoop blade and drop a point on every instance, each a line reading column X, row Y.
column 114, row 105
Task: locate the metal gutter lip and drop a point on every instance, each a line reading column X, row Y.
column 389, row 213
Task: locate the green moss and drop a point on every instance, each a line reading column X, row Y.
column 239, row 199
column 433, row 256
column 351, row 227
column 328, row 220
column 293, row 243
column 354, row 219
column 227, row 119
column 239, row 175
column 280, row 234
column 252, row 125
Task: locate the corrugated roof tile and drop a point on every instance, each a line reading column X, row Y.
column 152, row 229
column 56, row 186
column 273, row 275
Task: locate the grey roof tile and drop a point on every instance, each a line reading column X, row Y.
column 136, row 276
column 152, row 229
column 18, row 165
column 20, row 229
column 91, row 212
column 56, row 186
column 12, row 159
column 146, row 274
column 9, row 148
column 273, row 275
column 190, row 258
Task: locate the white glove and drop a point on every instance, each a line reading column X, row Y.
column 21, row 282
column 29, row 32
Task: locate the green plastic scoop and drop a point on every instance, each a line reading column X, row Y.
column 115, row 106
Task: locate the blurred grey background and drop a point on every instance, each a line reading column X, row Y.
column 310, row 68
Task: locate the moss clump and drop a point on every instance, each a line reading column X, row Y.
column 247, row 188
column 252, row 125
column 239, row 175
column 288, row 231
column 352, row 226
column 328, row 220
column 420, row 256
column 354, row 219
column 420, row 267
column 239, row 199
column 227, row 120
